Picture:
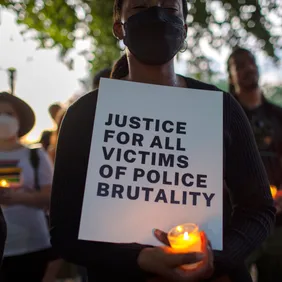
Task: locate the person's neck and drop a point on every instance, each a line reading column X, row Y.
column 9, row 145
column 250, row 99
column 160, row 75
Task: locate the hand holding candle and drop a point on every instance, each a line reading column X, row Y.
column 6, row 184
column 197, row 268
column 186, row 238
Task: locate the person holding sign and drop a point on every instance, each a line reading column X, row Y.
column 154, row 32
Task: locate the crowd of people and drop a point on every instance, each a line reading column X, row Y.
column 40, row 212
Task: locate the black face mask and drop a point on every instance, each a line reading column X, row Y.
column 154, row 36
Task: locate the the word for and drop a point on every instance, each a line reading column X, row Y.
column 136, row 139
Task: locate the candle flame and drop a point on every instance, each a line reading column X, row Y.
column 4, row 183
column 186, row 236
column 273, row 190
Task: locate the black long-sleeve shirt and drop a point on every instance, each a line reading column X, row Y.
column 247, row 221
column 266, row 121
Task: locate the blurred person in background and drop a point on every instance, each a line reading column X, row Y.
column 55, row 134
column 45, row 138
column 28, row 172
column 105, row 73
column 54, row 110
column 266, row 122
column 60, row 269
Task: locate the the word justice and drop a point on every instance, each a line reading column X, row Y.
column 149, row 124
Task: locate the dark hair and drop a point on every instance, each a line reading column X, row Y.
column 118, row 8
column 105, row 73
column 120, row 69
column 55, row 106
column 238, row 51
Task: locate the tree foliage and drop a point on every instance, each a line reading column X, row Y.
column 59, row 23
column 274, row 94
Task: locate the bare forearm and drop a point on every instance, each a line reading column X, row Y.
column 36, row 200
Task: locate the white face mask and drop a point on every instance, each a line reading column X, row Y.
column 9, row 126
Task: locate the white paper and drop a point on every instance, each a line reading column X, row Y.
column 112, row 219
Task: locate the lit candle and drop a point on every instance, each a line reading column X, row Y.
column 4, row 183
column 273, row 190
column 186, row 238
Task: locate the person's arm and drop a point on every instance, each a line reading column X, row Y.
column 36, row 199
column 254, row 213
column 67, row 196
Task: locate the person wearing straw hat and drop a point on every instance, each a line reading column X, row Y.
column 24, row 195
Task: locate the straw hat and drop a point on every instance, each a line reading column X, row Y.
column 24, row 111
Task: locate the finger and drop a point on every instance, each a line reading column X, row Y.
column 210, row 263
column 204, row 241
column 192, row 275
column 161, row 236
column 175, row 260
column 204, row 244
column 208, row 260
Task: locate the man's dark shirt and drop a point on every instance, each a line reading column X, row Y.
column 266, row 122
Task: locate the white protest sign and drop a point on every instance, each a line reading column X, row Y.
column 155, row 162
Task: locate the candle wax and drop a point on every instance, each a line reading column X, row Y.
column 187, row 243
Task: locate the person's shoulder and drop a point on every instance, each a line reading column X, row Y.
column 85, row 102
column 273, row 108
column 37, row 149
column 34, row 152
column 196, row 84
column 199, row 85
column 81, row 112
column 40, row 157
